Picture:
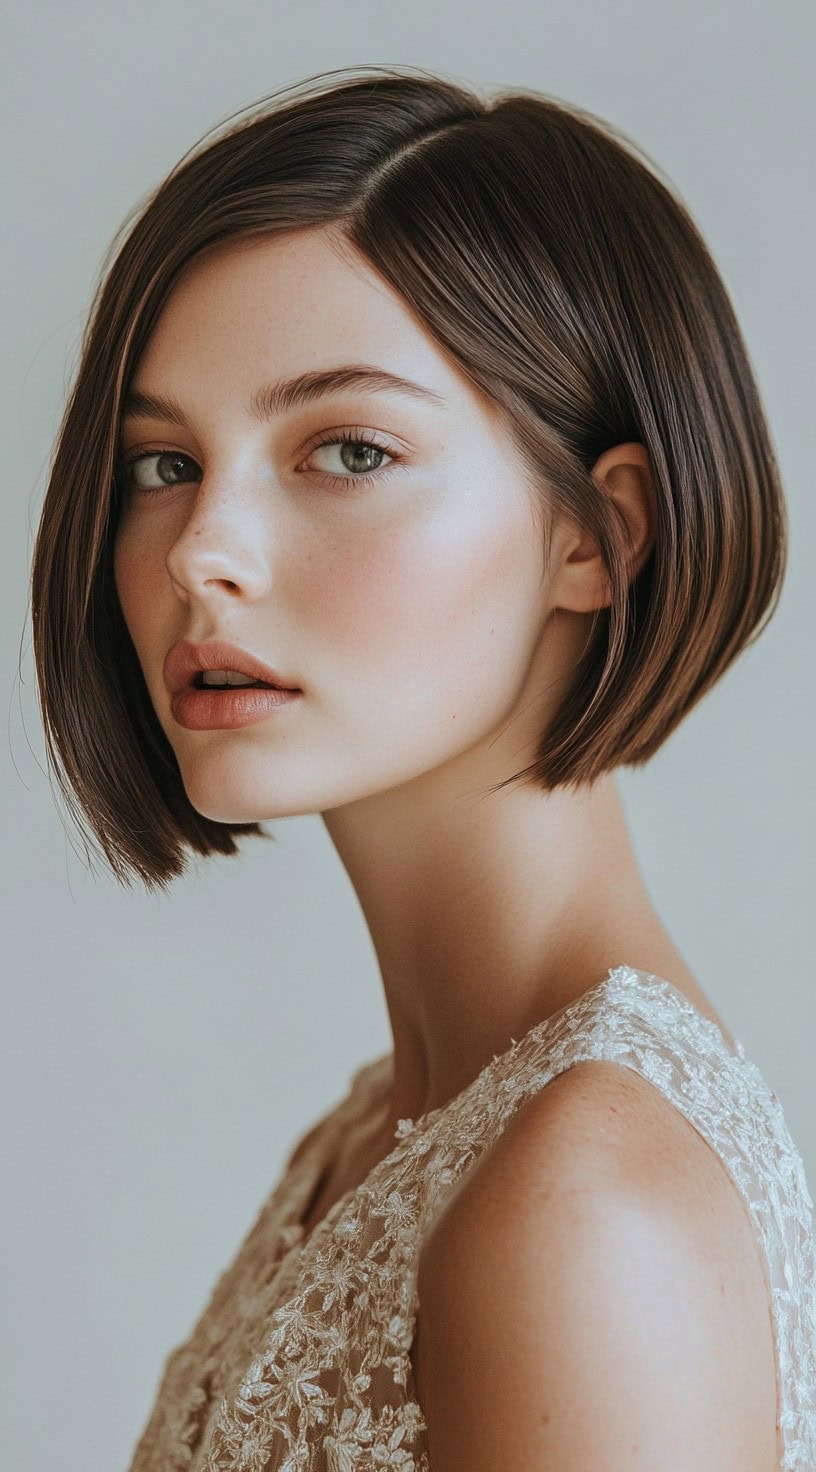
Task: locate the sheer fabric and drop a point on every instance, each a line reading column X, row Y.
column 300, row 1361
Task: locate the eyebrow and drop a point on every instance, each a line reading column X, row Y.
column 289, row 393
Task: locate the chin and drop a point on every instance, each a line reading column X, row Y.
column 242, row 802
column 220, row 812
column 222, row 801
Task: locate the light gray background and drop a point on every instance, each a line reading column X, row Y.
column 162, row 1054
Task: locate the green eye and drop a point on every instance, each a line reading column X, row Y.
column 172, row 469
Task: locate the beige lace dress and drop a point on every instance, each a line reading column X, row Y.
column 300, row 1361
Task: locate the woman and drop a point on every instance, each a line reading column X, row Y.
column 415, row 475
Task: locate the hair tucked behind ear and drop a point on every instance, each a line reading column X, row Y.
column 541, row 249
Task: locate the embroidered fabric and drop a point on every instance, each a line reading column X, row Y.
column 300, row 1361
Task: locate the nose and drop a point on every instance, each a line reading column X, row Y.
column 222, row 547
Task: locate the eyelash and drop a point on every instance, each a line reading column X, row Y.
column 347, row 437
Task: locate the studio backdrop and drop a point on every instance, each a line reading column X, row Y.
column 162, row 1052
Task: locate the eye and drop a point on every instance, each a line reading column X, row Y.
column 171, row 469
column 354, row 451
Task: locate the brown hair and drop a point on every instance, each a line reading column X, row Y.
column 539, row 246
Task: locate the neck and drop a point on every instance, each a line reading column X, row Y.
column 487, row 912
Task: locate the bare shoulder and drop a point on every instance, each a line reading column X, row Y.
column 593, row 1295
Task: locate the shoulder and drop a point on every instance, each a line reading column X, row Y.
column 593, row 1295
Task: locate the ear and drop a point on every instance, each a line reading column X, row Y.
column 625, row 474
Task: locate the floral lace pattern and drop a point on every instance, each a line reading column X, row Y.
column 300, row 1361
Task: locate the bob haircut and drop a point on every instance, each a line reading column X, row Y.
column 539, row 247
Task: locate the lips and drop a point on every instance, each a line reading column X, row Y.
column 187, row 660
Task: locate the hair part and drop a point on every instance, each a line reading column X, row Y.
column 541, row 249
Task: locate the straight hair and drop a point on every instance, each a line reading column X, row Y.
column 541, row 248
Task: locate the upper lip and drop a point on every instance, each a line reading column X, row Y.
column 187, row 660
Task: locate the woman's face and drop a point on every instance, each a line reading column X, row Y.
column 402, row 589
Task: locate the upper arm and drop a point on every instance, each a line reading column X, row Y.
column 574, row 1310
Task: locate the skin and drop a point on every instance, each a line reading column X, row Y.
column 593, row 1296
column 430, row 640
column 433, row 645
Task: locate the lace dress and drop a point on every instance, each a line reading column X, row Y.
column 300, row 1361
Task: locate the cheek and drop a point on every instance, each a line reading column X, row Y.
column 429, row 608
column 139, row 578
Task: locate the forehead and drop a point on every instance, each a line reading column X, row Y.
column 292, row 301
column 288, row 304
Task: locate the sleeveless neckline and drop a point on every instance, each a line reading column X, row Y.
column 304, row 1348
column 372, row 1079
column 539, row 1030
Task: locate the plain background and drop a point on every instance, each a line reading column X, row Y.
column 162, row 1054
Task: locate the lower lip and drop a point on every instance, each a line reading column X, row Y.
column 223, row 710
